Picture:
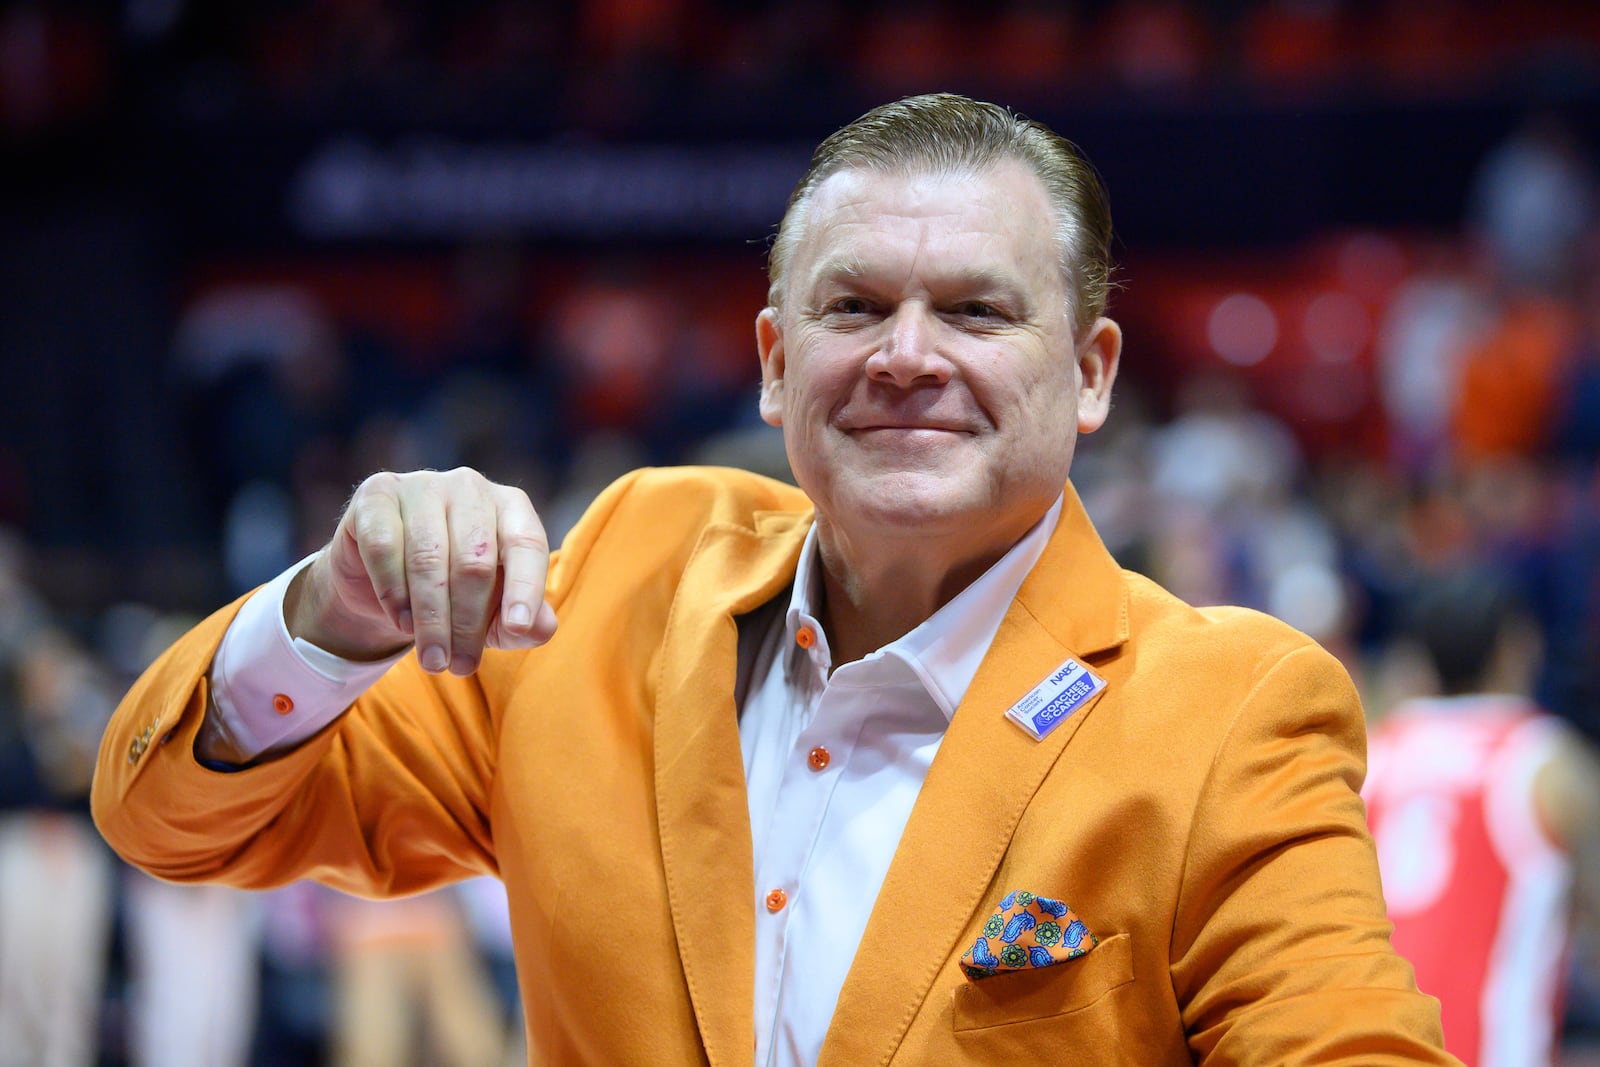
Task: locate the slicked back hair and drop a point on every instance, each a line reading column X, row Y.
column 941, row 133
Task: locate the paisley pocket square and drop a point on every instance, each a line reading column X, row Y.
column 1027, row 931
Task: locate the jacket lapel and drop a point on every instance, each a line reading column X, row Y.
column 701, row 801
column 1073, row 603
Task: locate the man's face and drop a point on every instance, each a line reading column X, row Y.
column 923, row 366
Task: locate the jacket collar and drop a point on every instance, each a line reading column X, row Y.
column 701, row 801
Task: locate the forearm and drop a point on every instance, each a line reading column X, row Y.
column 308, row 810
column 156, row 805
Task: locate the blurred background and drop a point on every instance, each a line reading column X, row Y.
column 251, row 252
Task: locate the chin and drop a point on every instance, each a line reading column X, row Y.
column 911, row 501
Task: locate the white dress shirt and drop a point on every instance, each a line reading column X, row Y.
column 833, row 760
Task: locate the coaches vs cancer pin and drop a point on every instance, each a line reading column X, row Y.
column 1048, row 704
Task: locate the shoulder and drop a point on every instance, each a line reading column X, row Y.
column 1209, row 678
column 649, row 521
column 1238, row 641
column 702, row 495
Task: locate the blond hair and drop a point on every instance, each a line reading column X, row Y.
column 945, row 133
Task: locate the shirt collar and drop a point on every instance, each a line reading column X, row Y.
column 944, row 651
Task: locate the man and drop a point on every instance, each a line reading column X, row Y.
column 1486, row 814
column 899, row 768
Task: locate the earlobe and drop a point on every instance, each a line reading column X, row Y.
column 769, row 348
column 1098, row 358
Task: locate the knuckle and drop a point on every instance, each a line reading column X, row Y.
column 384, row 482
column 464, row 477
column 475, row 566
column 510, row 498
column 376, row 536
column 425, row 557
column 529, row 537
column 465, row 636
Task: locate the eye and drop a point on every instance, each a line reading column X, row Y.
column 850, row 305
column 976, row 309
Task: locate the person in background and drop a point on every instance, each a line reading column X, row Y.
column 56, row 878
column 898, row 765
column 1486, row 814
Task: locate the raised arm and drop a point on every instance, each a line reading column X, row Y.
column 393, row 798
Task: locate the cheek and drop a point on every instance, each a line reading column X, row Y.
column 812, row 390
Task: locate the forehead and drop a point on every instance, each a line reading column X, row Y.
column 997, row 219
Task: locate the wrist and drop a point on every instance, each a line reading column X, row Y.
column 314, row 612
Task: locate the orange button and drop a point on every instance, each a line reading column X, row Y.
column 282, row 704
column 805, row 637
column 818, row 758
column 776, row 900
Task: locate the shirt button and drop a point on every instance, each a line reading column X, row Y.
column 805, row 637
column 282, row 704
column 776, row 900
column 818, row 758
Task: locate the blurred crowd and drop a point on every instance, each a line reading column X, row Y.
column 1312, row 430
column 636, row 64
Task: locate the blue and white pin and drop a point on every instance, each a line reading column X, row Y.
column 1051, row 702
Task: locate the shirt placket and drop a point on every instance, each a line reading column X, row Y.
column 826, row 732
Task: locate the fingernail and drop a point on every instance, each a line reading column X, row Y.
column 519, row 616
column 404, row 619
column 434, row 659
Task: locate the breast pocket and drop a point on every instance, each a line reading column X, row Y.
column 1045, row 992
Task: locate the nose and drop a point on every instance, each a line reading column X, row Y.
column 909, row 354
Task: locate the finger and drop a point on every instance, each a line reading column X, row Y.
column 377, row 532
column 543, row 628
column 524, row 618
column 427, row 566
column 474, row 564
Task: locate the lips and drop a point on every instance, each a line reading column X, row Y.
column 906, row 427
column 869, row 421
column 911, row 414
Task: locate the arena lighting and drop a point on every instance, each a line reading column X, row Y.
column 1242, row 329
column 1337, row 327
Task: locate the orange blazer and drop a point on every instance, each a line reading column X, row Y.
column 1200, row 814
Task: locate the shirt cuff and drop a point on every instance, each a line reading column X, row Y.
column 271, row 691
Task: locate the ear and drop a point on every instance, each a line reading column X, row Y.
column 769, row 347
column 1098, row 356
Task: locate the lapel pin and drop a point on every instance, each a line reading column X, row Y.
column 1050, row 703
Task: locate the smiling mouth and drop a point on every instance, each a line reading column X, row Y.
column 895, row 427
column 906, row 434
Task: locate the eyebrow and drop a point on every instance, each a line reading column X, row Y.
column 842, row 266
column 850, row 265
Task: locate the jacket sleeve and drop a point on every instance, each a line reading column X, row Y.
column 1280, row 946
column 390, row 799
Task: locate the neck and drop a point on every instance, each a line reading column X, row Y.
column 875, row 591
